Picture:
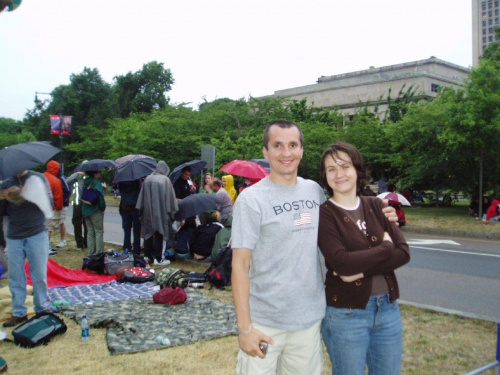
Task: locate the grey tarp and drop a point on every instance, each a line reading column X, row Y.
column 134, row 324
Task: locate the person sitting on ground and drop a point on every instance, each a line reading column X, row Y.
column 493, row 214
column 183, row 236
column 203, row 238
column 226, row 207
column 222, row 238
column 474, row 207
column 228, row 184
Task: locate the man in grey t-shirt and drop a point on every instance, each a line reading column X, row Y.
column 226, row 207
column 276, row 279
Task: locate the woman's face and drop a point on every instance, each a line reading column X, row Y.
column 208, row 179
column 341, row 174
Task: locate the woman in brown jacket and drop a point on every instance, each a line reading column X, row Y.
column 362, row 326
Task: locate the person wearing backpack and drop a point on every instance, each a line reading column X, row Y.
column 94, row 214
column 76, row 180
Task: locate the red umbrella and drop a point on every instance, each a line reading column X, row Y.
column 245, row 168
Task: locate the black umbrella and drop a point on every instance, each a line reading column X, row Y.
column 18, row 158
column 95, row 165
column 135, row 169
column 197, row 204
column 195, row 165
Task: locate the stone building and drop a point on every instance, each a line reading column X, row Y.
column 346, row 91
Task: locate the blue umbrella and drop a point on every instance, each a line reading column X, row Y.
column 196, row 167
column 135, row 169
column 196, row 204
column 95, row 165
column 23, row 156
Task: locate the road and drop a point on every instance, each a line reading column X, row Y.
column 454, row 275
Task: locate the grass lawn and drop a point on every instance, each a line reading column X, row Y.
column 434, row 343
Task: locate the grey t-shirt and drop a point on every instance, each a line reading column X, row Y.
column 280, row 225
column 27, row 219
column 226, row 208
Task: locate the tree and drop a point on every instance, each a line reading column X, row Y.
column 144, row 90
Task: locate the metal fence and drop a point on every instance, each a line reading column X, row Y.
column 493, row 365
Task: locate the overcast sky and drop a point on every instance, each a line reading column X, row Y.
column 218, row 49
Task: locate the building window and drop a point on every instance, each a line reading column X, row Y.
column 434, row 87
column 490, row 30
column 483, row 6
column 490, row 13
column 484, row 39
column 490, row 5
column 496, row 21
column 484, row 47
column 496, row 4
column 490, row 38
column 484, row 15
column 490, row 21
column 484, row 23
column 484, row 31
column 496, row 12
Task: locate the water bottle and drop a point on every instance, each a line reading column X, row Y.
column 85, row 328
column 148, row 267
column 162, row 340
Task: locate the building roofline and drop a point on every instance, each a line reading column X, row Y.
column 372, row 70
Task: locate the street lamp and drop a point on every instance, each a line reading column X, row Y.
column 59, row 95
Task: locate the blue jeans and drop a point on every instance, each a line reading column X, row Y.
column 36, row 249
column 372, row 336
column 131, row 219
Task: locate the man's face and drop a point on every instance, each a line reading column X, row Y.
column 283, row 152
column 185, row 175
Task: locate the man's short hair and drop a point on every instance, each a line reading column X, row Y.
column 186, row 168
column 284, row 125
column 217, row 182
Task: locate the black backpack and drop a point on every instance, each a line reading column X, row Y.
column 67, row 191
column 219, row 272
column 38, row 330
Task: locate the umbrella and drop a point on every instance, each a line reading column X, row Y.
column 134, row 169
column 263, row 162
column 127, row 158
column 18, row 158
column 196, row 167
column 95, row 165
column 197, row 204
column 245, row 168
column 394, row 197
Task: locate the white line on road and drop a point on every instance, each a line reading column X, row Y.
column 456, row 251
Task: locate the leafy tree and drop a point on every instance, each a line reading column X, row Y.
column 144, row 90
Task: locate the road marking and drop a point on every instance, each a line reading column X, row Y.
column 457, row 251
column 432, row 242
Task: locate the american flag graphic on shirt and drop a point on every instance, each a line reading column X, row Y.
column 302, row 219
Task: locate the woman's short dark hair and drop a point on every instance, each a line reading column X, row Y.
column 357, row 161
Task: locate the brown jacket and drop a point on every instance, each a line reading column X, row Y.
column 348, row 251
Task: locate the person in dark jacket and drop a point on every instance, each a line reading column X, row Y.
column 362, row 325
column 94, row 214
column 203, row 238
column 131, row 219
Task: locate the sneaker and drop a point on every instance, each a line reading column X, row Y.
column 52, row 252
column 62, row 243
column 125, row 252
column 164, row 262
column 15, row 320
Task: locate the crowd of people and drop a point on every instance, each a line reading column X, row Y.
column 307, row 266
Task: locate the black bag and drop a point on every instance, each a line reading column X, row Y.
column 38, row 330
column 94, row 263
column 113, row 262
column 219, row 272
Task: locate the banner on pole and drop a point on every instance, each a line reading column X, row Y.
column 55, row 124
column 66, row 125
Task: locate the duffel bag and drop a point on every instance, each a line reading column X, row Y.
column 113, row 262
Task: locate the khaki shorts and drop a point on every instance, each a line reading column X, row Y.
column 293, row 352
column 55, row 221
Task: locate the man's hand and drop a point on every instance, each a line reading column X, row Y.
column 390, row 213
column 249, row 342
